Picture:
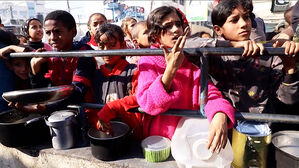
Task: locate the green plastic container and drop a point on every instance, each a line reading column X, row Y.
column 156, row 148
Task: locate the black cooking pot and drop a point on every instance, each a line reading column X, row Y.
column 19, row 129
column 107, row 147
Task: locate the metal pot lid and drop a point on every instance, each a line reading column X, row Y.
column 61, row 116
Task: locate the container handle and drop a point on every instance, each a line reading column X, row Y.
column 33, row 120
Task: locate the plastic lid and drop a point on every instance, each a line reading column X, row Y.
column 253, row 128
column 200, row 151
column 155, row 143
column 60, row 116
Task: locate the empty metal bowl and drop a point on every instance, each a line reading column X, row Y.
column 40, row 95
column 287, row 148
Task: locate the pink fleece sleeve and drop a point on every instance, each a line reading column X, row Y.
column 151, row 95
column 216, row 103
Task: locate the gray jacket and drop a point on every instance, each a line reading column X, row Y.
column 250, row 84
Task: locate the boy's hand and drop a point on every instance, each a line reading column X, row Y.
column 36, row 63
column 251, row 48
column 36, row 108
column 291, row 49
column 10, row 49
column 105, row 127
column 218, row 132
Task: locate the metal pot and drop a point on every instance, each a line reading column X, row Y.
column 18, row 129
column 62, row 126
column 107, row 147
column 287, row 149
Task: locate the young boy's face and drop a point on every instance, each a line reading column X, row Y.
column 237, row 26
column 59, row 36
column 20, row 67
column 95, row 22
column 111, row 43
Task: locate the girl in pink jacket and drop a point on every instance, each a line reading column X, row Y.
column 171, row 82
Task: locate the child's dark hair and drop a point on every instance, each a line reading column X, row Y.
column 8, row 38
column 110, row 30
column 154, row 21
column 225, row 8
column 100, row 14
column 64, row 17
column 25, row 26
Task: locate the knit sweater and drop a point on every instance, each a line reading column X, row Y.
column 184, row 94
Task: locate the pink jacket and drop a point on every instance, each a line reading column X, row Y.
column 185, row 94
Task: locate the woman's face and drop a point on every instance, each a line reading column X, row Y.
column 20, row 67
column 172, row 30
column 35, row 31
column 237, row 26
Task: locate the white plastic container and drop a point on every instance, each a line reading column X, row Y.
column 188, row 146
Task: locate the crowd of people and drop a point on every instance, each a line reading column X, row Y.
column 251, row 82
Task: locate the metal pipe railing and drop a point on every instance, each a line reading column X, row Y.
column 275, row 118
column 144, row 52
column 202, row 52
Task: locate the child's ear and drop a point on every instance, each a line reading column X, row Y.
column 74, row 31
column 218, row 30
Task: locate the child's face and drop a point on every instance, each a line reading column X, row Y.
column 206, row 35
column 131, row 24
column 95, row 22
column 35, row 30
column 111, row 43
column 20, row 67
column 59, row 36
column 142, row 39
column 237, row 26
column 172, row 30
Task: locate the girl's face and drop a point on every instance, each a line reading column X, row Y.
column 20, row 67
column 35, row 31
column 111, row 43
column 172, row 30
column 237, row 26
column 95, row 22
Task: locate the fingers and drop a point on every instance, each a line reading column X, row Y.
column 183, row 42
column 287, row 47
column 177, row 43
column 211, row 139
column 275, row 45
column 291, row 48
column 261, row 48
column 41, row 50
column 246, row 48
column 296, row 49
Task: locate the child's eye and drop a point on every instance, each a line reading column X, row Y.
column 234, row 20
column 48, row 33
column 246, row 17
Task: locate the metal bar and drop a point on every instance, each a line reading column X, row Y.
column 203, row 83
column 144, row 52
column 277, row 118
